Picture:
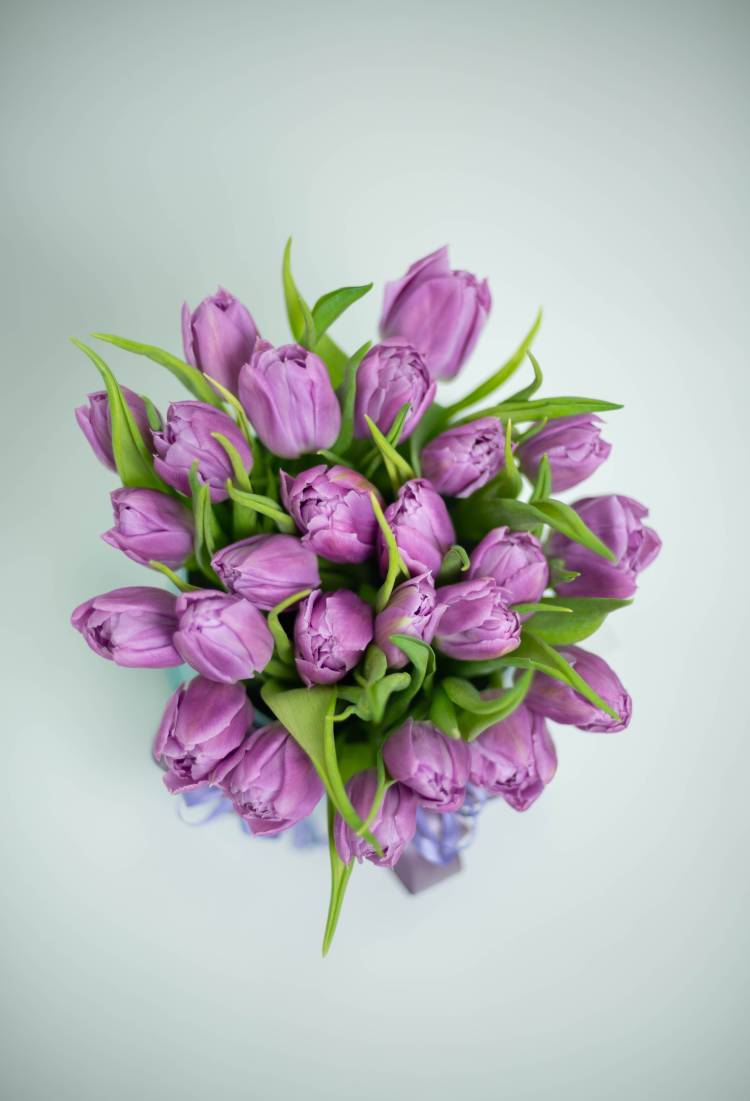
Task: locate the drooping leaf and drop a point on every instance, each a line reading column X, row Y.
column 587, row 614
column 241, row 476
column 478, row 515
column 422, row 658
column 264, row 505
column 284, row 648
column 340, row 875
column 474, row 723
column 455, row 561
column 190, row 377
column 496, row 380
column 175, row 578
column 348, row 396
column 331, row 306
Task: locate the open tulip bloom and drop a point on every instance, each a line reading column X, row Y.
column 389, row 581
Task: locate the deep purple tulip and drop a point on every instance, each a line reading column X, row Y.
column 422, row 527
column 412, row 610
column 289, row 399
column 270, row 780
column 267, row 569
column 132, row 627
column 188, row 436
column 331, row 632
column 516, row 561
column 218, row 337
column 463, row 459
column 394, row 824
column 150, row 525
column 574, row 447
column 391, row 374
column 618, row 521
column 203, row 723
column 477, row 624
column 332, row 507
column 434, row 767
column 441, row 312
column 95, row 422
column 515, row 758
column 223, row 637
column 562, row 704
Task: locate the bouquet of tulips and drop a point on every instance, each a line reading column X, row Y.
column 381, row 597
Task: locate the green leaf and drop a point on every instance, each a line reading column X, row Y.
column 496, row 380
column 301, row 321
column 543, row 484
column 477, row 516
column 474, row 723
column 340, row 875
column 395, row 561
column 331, row 306
column 422, row 658
column 455, row 561
column 175, row 578
column 281, row 639
column 349, row 388
column 241, row 476
column 152, row 413
column 398, row 469
column 587, row 613
column 239, row 410
column 442, row 712
column 204, row 542
column 393, row 435
column 264, row 505
column 428, row 427
column 558, row 575
column 521, row 411
column 190, row 377
column 531, row 389
column 527, row 609
column 508, row 482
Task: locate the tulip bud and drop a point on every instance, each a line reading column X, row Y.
column 394, row 825
column 477, row 624
column 218, row 337
column 618, row 523
column 225, row 638
column 391, row 374
column 441, row 312
column 573, row 446
column 434, row 767
column 203, row 723
column 267, row 569
column 151, row 525
column 463, row 459
column 288, row 396
column 515, row 758
column 412, row 610
column 421, row 526
column 270, row 780
column 96, row 423
column 188, row 436
column 332, row 507
column 515, row 560
column 331, row 632
column 132, row 627
column 561, row 703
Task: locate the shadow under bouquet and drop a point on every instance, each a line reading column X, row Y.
column 393, row 582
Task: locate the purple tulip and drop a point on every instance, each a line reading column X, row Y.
column 218, row 337
column 477, row 624
column 463, row 459
column 422, row 528
column 391, row 374
column 394, row 825
column 95, row 421
column 188, row 436
column 434, row 767
column 574, row 447
column 332, row 507
column 562, row 704
column 150, row 525
column 515, row 560
column 132, row 627
column 515, row 758
column 331, row 632
column 223, row 637
column 267, row 569
column 412, row 610
column 270, row 780
column 203, row 723
column 441, row 312
column 288, row 396
column 618, row 523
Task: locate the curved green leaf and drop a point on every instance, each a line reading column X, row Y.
column 190, row 377
column 349, row 388
column 340, row 875
column 500, row 376
column 175, row 578
column 284, row 648
column 522, row 411
column 478, row 515
column 395, row 561
column 587, row 614
column 331, row 306
column 264, row 505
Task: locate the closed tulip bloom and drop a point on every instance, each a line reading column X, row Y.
column 95, row 421
column 412, row 610
column 271, row 781
column 218, row 337
column 392, row 374
column 463, row 459
column 434, row 767
column 131, row 627
column 187, row 437
column 574, row 447
column 223, row 637
column 421, row 526
column 477, row 623
column 333, row 510
column 289, row 399
column 150, row 525
column 267, row 569
column 331, row 632
column 440, row 311
column 514, row 758
column 562, row 704
column 618, row 521
column 203, row 722
column 394, row 825
column 515, row 560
